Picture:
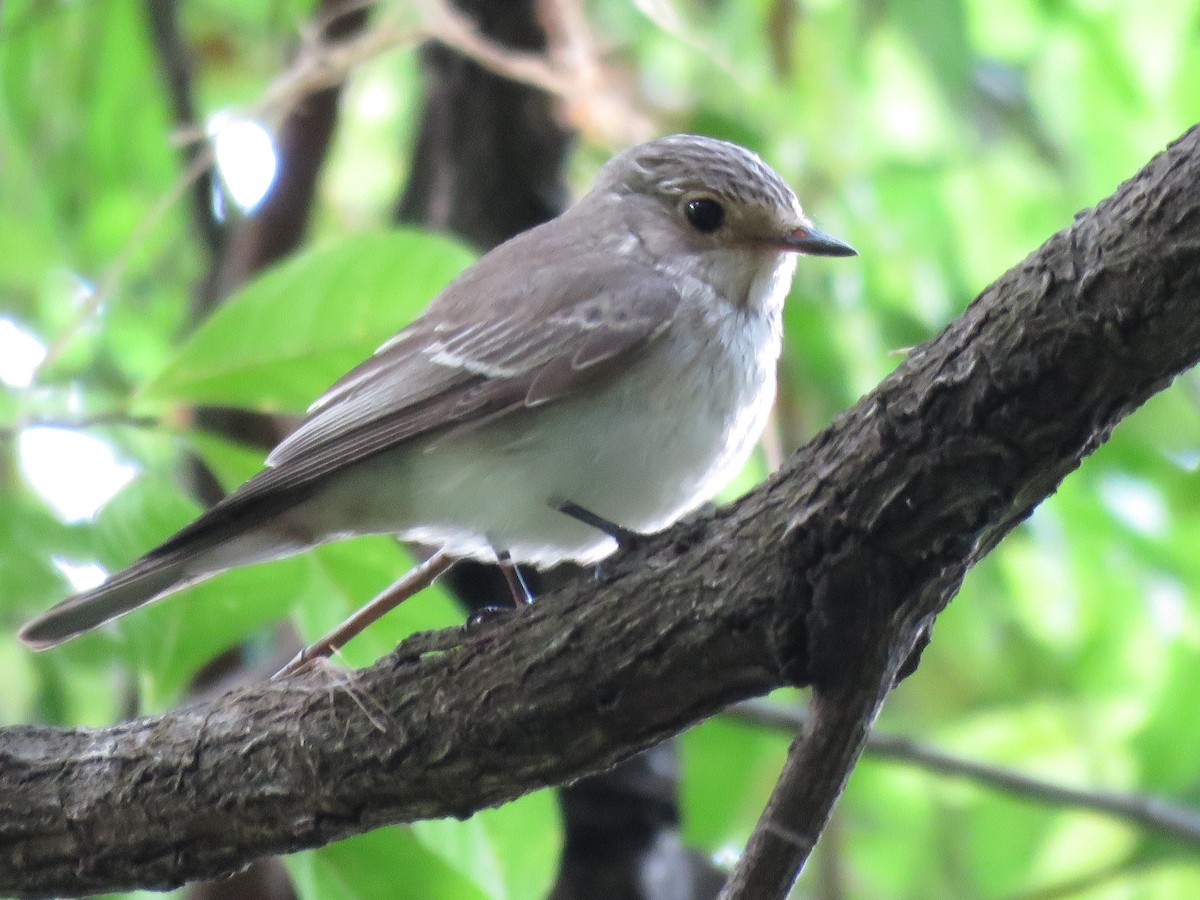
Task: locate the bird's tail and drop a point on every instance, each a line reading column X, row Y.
column 238, row 531
column 145, row 580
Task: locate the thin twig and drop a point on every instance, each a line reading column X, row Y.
column 1142, row 810
column 116, row 269
column 99, row 420
column 595, row 100
column 175, row 61
column 323, row 63
column 571, row 68
column 1083, row 884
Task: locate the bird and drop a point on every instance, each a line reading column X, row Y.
column 602, row 374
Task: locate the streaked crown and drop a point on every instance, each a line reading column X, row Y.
column 688, row 163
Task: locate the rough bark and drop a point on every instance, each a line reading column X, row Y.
column 876, row 520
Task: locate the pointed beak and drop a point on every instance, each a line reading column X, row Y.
column 812, row 242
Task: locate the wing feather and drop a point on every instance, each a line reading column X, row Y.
column 448, row 379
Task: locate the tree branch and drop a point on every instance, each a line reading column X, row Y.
column 1141, row 810
column 815, row 774
column 279, row 225
column 1025, row 414
column 875, row 521
column 174, row 58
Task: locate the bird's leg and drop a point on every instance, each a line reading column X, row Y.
column 618, row 533
column 521, row 594
column 416, row 579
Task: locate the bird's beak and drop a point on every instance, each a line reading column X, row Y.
column 812, row 242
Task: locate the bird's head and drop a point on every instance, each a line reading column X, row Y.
column 711, row 209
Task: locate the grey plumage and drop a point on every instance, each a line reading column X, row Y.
column 616, row 357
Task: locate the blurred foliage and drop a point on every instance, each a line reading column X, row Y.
column 944, row 139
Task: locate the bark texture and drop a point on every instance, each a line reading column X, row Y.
column 871, row 526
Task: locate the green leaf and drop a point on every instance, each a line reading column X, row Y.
column 168, row 641
column 381, row 865
column 745, row 761
column 344, row 575
column 511, row 852
column 938, row 31
column 291, row 332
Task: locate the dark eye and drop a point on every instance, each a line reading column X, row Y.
column 705, row 214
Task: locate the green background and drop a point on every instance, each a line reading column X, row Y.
column 945, row 140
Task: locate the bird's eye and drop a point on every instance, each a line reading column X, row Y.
column 705, row 214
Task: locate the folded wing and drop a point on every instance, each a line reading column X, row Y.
column 446, row 379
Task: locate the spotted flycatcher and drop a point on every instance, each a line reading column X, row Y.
column 617, row 363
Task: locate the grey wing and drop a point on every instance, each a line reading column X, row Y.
column 444, row 380
column 449, row 378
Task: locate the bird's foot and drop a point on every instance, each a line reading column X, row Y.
column 486, row 615
column 624, row 537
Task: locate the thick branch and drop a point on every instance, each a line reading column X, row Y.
column 813, row 777
column 884, row 511
column 1071, row 297
column 489, row 159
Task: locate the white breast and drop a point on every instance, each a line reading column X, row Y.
column 655, row 444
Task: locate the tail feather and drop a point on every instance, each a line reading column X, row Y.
column 145, row 580
column 235, row 532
